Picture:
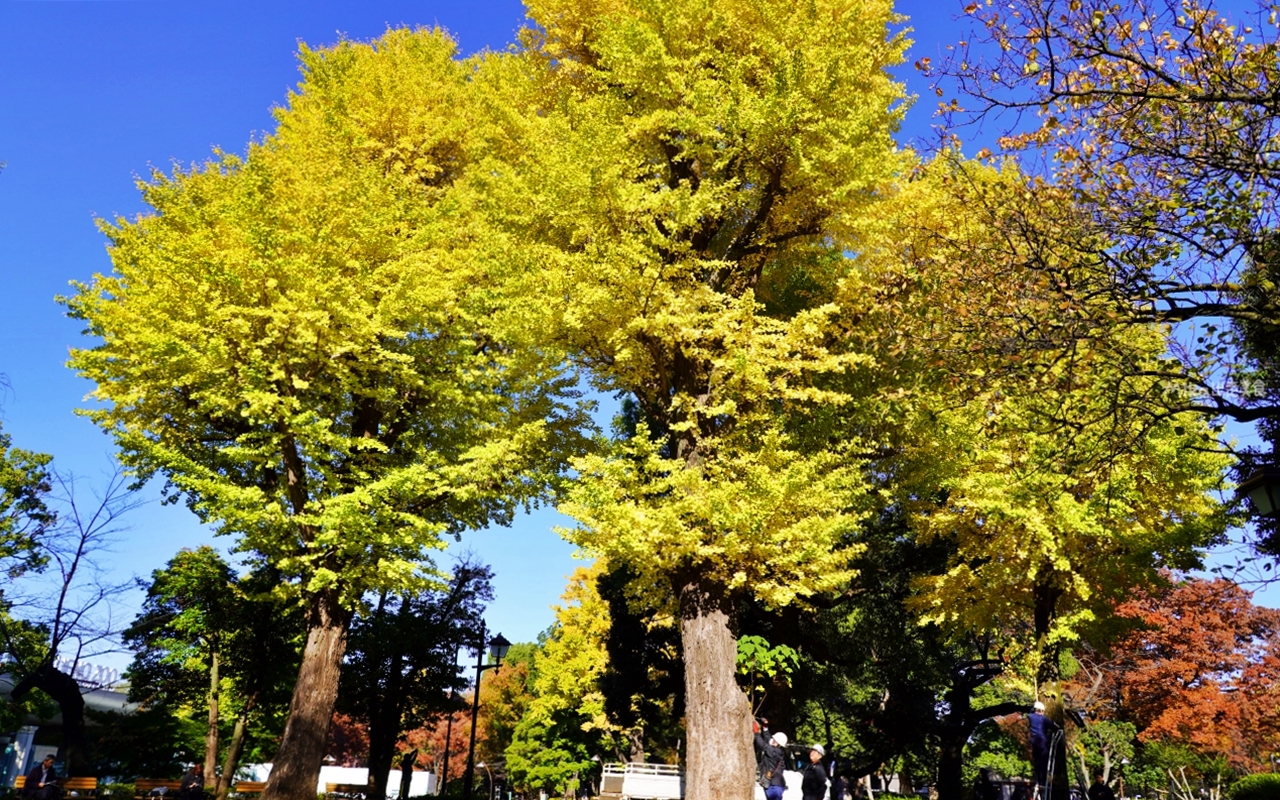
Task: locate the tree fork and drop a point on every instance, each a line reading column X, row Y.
column 719, row 761
column 302, row 748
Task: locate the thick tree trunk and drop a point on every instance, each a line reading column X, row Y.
column 63, row 690
column 211, row 733
column 950, row 772
column 382, row 751
column 297, row 763
column 385, row 714
column 1046, row 596
column 719, row 761
column 234, row 748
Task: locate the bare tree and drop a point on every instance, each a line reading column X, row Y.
column 65, row 612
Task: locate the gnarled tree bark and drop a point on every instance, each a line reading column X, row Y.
column 719, row 761
column 297, row 765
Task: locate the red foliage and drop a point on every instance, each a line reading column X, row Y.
column 430, row 740
column 349, row 744
column 348, row 741
column 1200, row 670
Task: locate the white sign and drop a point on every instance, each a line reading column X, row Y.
column 89, row 676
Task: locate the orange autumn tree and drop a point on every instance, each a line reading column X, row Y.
column 1199, row 670
column 430, row 740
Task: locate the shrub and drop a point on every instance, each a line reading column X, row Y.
column 117, row 791
column 1262, row 786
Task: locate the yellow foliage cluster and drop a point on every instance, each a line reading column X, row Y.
column 364, row 333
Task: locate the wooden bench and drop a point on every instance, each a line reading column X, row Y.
column 145, row 786
column 346, row 789
column 249, row 787
column 68, row 785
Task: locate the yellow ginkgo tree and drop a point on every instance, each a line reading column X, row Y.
column 295, row 340
column 681, row 213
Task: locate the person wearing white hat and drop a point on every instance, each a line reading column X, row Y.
column 814, row 783
column 772, row 761
column 1042, row 729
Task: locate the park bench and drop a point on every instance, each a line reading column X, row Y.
column 249, row 787
column 145, row 786
column 68, row 785
column 345, row 789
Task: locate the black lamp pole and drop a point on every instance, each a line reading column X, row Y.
column 498, row 647
column 448, row 731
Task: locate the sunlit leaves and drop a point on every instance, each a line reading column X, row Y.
column 295, row 338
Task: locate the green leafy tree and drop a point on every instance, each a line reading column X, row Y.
column 565, row 724
column 296, row 341
column 180, row 638
column 25, row 483
column 151, row 742
column 401, row 661
column 25, row 515
column 643, row 679
column 206, row 638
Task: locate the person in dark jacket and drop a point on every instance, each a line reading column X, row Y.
column 1100, row 790
column 814, row 783
column 42, row 782
column 773, row 762
column 192, row 785
column 1042, row 730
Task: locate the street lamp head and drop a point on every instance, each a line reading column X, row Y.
column 498, row 647
column 1263, row 490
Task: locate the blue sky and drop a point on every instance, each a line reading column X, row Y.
column 93, row 93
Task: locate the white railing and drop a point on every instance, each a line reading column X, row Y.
column 642, row 781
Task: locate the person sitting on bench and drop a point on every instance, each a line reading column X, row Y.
column 192, row 786
column 42, row 782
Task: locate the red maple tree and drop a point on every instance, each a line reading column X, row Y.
column 1200, row 668
column 348, row 741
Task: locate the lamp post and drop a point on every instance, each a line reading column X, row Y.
column 1124, row 762
column 498, row 648
column 448, row 732
column 490, row 774
column 1263, row 490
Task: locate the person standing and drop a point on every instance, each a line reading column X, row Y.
column 42, row 781
column 1042, row 730
column 814, row 783
column 773, row 761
